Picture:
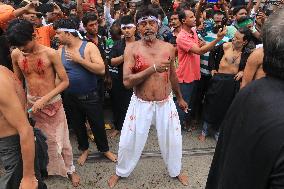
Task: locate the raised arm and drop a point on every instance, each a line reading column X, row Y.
column 205, row 48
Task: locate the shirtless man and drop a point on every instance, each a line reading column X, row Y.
column 15, row 131
column 253, row 69
column 227, row 62
column 39, row 65
column 149, row 69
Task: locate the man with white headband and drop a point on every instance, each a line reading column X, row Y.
column 39, row 66
column 119, row 94
column 84, row 64
column 149, row 69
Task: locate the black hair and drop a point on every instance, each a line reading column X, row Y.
column 170, row 14
column 67, row 23
column 88, row 17
column 244, row 18
column 237, row 9
column 248, row 36
column 182, row 15
column 19, row 32
column 115, row 30
column 76, row 20
column 273, row 44
column 145, row 11
column 158, row 9
column 126, row 20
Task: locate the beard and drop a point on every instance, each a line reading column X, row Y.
column 149, row 36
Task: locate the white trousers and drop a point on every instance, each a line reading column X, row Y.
column 140, row 116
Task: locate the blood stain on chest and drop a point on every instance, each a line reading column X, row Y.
column 140, row 64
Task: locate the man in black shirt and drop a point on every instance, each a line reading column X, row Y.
column 120, row 94
column 250, row 150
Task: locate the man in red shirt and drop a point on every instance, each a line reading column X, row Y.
column 189, row 52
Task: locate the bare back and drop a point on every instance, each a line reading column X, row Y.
column 5, row 128
column 157, row 87
column 230, row 62
column 37, row 69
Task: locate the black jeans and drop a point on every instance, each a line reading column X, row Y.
column 87, row 107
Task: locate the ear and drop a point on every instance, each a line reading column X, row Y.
column 183, row 21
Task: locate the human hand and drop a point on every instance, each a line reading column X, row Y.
column 163, row 66
column 201, row 42
column 29, row 183
column 213, row 72
column 57, row 9
column 73, row 56
column 183, row 105
column 30, row 7
column 239, row 75
column 221, row 33
column 39, row 104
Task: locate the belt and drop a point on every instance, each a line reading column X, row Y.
column 86, row 96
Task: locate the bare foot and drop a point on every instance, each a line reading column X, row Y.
column 201, row 138
column 82, row 159
column 111, row 156
column 183, row 179
column 113, row 181
column 114, row 133
column 75, row 179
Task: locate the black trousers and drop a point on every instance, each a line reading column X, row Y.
column 120, row 99
column 201, row 88
column 11, row 159
column 82, row 108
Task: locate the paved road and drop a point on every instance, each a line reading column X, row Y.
column 150, row 171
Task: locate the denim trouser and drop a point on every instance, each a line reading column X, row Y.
column 205, row 130
column 186, row 91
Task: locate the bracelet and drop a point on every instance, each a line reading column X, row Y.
column 155, row 67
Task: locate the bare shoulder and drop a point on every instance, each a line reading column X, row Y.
column 258, row 52
column 256, row 57
column 15, row 53
column 5, row 78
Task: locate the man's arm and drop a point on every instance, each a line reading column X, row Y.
column 130, row 79
column 251, row 67
column 95, row 65
column 174, row 79
column 13, row 111
column 205, row 48
column 16, row 68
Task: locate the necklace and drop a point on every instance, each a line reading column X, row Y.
column 234, row 58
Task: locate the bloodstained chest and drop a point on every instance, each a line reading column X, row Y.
column 36, row 65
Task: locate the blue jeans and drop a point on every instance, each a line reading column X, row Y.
column 205, row 130
column 186, row 91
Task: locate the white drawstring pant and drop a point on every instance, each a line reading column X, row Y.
column 140, row 116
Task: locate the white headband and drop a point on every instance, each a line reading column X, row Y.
column 127, row 25
column 71, row 30
column 146, row 18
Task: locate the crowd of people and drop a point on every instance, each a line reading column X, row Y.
column 175, row 65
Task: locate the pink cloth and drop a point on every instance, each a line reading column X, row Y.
column 52, row 122
column 189, row 63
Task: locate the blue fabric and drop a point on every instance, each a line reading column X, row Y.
column 81, row 80
column 186, row 90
